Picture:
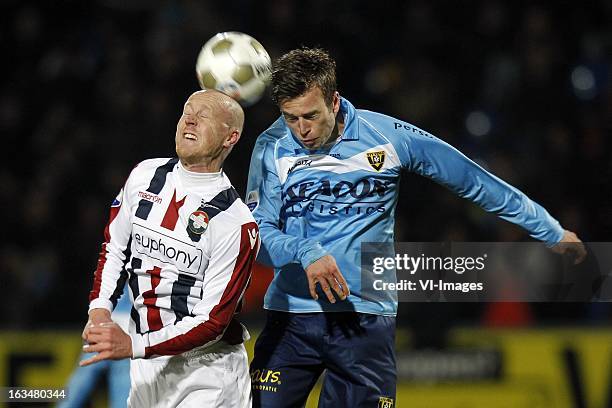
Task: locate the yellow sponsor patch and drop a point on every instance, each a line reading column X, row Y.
column 385, row 402
column 265, row 380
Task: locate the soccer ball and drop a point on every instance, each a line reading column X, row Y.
column 235, row 64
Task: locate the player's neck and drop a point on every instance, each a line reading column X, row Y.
column 337, row 131
column 339, row 128
column 212, row 166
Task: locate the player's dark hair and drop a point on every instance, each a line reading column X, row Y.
column 301, row 69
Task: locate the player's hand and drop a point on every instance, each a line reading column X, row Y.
column 109, row 341
column 571, row 245
column 96, row 316
column 325, row 272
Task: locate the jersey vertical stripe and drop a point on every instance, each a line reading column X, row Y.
column 119, row 288
column 153, row 316
column 180, row 291
column 222, row 200
column 155, row 187
column 123, row 276
column 169, row 221
column 102, row 258
column 136, row 263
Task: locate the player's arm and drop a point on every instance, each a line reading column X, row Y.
column 278, row 248
column 226, row 278
column 431, row 157
column 110, row 274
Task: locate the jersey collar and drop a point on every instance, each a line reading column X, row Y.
column 351, row 132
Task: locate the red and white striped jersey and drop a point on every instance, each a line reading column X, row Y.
column 185, row 246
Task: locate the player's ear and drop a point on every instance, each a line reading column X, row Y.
column 336, row 102
column 232, row 139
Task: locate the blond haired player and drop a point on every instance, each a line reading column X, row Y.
column 183, row 241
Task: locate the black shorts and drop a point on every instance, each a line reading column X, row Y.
column 356, row 350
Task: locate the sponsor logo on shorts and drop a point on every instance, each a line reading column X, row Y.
column 265, row 380
column 385, row 402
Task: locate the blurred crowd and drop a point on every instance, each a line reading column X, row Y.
column 89, row 89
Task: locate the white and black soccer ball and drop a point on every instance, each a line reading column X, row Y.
column 235, row 64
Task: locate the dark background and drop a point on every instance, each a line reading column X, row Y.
column 91, row 88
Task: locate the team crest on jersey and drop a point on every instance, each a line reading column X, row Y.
column 376, row 159
column 198, row 222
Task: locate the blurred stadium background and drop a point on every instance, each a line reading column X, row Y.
column 523, row 87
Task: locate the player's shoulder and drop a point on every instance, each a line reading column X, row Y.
column 390, row 127
column 228, row 209
column 232, row 221
column 276, row 131
column 146, row 170
column 240, row 213
column 379, row 120
column 272, row 135
column 152, row 165
column 358, row 114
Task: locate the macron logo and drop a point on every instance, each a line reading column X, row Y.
column 154, row 198
column 252, row 237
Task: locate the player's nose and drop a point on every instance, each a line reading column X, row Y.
column 304, row 127
column 190, row 120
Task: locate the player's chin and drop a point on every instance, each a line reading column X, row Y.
column 311, row 143
column 185, row 152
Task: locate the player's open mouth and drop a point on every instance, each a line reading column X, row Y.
column 190, row 136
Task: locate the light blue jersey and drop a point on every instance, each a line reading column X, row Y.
column 312, row 203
